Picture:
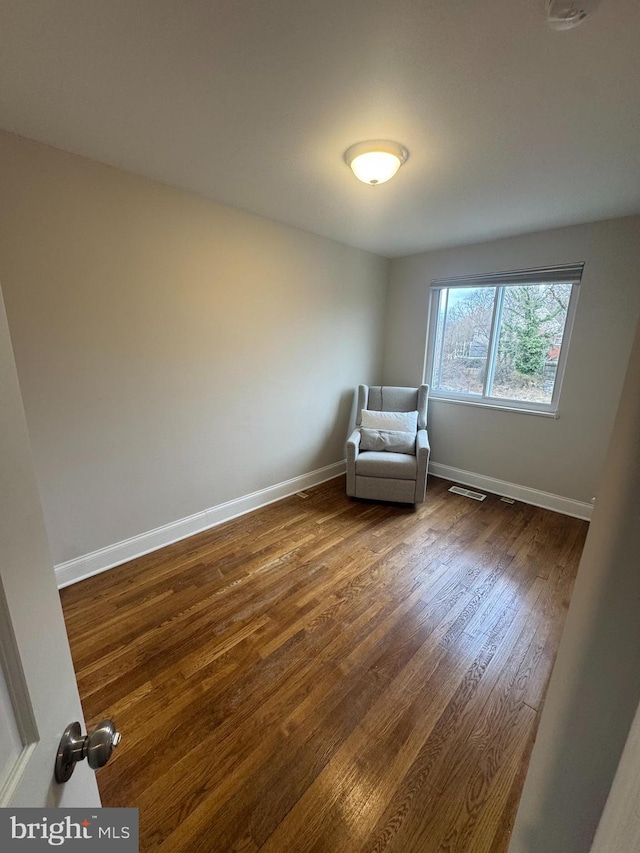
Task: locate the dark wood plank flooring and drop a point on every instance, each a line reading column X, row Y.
column 329, row 675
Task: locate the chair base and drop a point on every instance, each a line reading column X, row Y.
column 386, row 489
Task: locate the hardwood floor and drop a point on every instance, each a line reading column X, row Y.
column 329, row 675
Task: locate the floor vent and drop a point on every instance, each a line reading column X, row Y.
column 467, row 493
column 302, row 495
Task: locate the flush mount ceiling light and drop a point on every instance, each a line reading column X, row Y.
column 566, row 14
column 375, row 161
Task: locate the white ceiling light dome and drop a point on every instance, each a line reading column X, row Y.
column 566, row 14
column 376, row 161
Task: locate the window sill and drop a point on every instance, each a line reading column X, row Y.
column 482, row 405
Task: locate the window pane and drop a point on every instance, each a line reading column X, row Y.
column 531, row 326
column 463, row 328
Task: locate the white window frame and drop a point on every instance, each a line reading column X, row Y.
column 567, row 274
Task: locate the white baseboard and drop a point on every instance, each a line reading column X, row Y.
column 114, row 555
column 546, row 500
column 87, row 565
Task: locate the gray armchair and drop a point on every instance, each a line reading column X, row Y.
column 381, row 475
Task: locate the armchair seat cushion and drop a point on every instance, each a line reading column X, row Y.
column 396, row 466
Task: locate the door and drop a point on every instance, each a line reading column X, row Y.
column 38, row 690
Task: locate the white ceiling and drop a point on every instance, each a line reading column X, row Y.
column 511, row 127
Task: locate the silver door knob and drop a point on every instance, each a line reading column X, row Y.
column 95, row 747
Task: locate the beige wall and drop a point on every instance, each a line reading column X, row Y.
column 173, row 353
column 563, row 456
column 595, row 686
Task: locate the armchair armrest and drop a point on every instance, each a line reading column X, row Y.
column 423, row 450
column 422, row 443
column 353, row 442
column 353, row 448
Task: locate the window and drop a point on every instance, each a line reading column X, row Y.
column 502, row 339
